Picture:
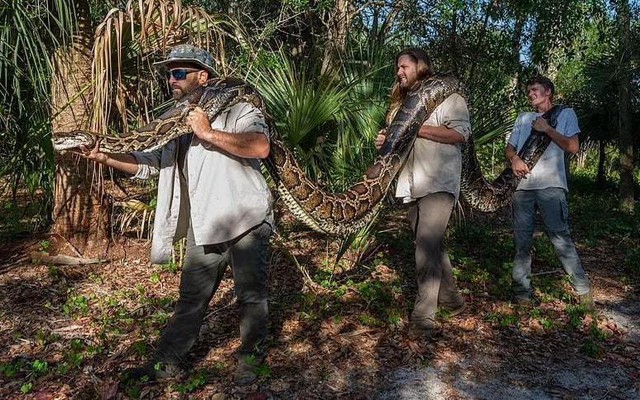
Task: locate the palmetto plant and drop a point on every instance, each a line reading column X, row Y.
column 306, row 109
column 330, row 122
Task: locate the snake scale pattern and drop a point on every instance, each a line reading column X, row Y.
column 490, row 196
column 333, row 213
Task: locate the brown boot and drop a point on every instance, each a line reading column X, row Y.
column 246, row 370
column 424, row 330
column 456, row 309
column 153, row 371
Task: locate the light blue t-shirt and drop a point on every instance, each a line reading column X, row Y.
column 549, row 171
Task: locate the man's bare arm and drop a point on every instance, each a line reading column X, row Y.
column 121, row 161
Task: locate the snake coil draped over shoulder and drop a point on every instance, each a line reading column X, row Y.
column 334, row 213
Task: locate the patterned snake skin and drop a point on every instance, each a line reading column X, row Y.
column 333, row 213
column 490, row 196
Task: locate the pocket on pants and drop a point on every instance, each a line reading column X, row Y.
column 263, row 231
column 564, row 212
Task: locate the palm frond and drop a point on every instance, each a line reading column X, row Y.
column 129, row 40
column 30, row 31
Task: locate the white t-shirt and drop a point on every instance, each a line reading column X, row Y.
column 549, row 171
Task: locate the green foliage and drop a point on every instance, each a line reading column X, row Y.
column 26, row 388
column 504, row 319
column 11, row 369
column 576, row 315
column 170, row 267
column 593, row 345
column 600, row 218
column 590, row 348
column 21, row 217
column 378, row 298
column 76, row 305
column 369, row 320
column 40, row 367
column 134, row 391
column 552, row 287
column 195, row 382
column 30, row 30
column 485, row 267
column 536, row 314
column 597, row 333
column 263, row 370
column 308, row 110
column 375, row 293
column 395, row 319
column 545, row 253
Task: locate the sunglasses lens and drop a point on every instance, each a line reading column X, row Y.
column 178, row 74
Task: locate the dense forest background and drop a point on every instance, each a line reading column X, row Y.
column 325, row 68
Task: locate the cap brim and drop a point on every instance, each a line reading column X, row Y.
column 162, row 65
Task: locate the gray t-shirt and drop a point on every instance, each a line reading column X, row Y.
column 432, row 166
column 549, row 171
column 221, row 195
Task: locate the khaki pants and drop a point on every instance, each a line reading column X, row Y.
column 429, row 217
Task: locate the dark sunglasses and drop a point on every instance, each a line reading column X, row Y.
column 180, row 74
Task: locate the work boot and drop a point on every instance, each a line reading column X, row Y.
column 522, row 296
column 153, row 371
column 523, row 300
column 586, row 301
column 456, row 309
column 246, row 370
column 424, row 330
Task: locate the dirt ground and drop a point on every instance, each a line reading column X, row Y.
column 68, row 331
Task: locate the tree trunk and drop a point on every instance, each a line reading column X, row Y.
column 516, row 47
column 602, row 177
column 625, row 138
column 337, row 33
column 79, row 214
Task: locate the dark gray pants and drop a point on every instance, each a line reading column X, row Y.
column 429, row 217
column 201, row 276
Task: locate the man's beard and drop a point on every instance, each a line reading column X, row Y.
column 407, row 84
column 177, row 93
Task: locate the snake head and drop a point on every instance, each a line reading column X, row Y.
column 63, row 141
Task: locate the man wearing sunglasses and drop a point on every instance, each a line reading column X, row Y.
column 211, row 191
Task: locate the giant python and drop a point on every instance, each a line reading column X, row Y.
column 333, row 213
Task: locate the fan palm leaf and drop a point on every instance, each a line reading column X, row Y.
column 306, row 109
